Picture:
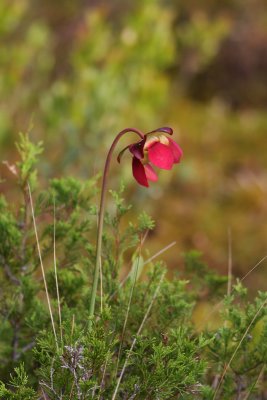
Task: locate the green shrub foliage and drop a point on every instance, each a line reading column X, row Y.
column 161, row 352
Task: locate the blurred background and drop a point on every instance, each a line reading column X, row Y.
column 75, row 72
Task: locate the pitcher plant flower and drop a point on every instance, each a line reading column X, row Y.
column 153, row 148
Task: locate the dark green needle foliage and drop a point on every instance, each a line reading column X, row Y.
column 159, row 353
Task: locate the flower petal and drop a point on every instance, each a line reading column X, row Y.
column 165, row 129
column 161, row 155
column 150, row 173
column 139, row 172
column 176, row 150
column 137, row 149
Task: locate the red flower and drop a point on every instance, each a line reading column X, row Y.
column 156, row 149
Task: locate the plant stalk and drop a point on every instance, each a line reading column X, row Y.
column 101, row 219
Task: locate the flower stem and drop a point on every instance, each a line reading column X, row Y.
column 101, row 219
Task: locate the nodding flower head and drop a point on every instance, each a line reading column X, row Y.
column 155, row 148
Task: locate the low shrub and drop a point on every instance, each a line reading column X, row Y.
column 144, row 341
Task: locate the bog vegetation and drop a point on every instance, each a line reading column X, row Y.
column 73, row 73
column 143, row 342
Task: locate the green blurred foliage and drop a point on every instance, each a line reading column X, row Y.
column 80, row 71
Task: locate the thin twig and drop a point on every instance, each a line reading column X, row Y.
column 56, row 279
column 42, row 267
column 71, row 390
column 24, row 349
column 237, row 347
column 160, row 252
column 15, row 340
column 101, row 285
column 9, row 274
column 43, row 393
column 230, row 262
column 58, row 397
column 256, row 382
column 145, row 262
column 25, row 222
column 217, row 306
column 138, row 333
column 100, row 277
column 72, row 327
column 252, row 269
column 103, row 378
column 240, row 387
column 136, row 267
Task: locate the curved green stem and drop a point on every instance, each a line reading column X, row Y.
column 101, row 219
